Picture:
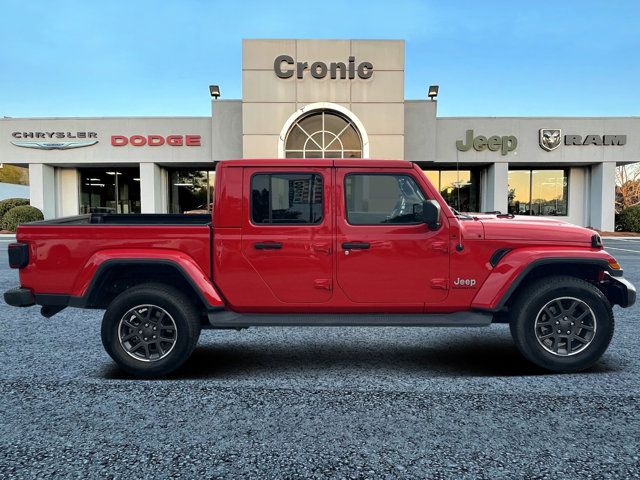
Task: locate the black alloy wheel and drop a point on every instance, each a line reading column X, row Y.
column 150, row 330
column 561, row 323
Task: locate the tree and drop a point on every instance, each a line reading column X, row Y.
column 627, row 186
column 13, row 174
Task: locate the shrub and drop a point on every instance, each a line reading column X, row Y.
column 630, row 219
column 9, row 203
column 19, row 215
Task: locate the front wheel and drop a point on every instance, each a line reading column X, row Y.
column 150, row 330
column 561, row 323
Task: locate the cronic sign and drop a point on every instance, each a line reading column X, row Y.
column 285, row 67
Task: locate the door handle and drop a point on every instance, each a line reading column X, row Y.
column 355, row 245
column 268, row 245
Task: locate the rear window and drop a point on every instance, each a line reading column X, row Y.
column 286, row 198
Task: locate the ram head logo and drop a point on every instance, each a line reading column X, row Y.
column 550, row 138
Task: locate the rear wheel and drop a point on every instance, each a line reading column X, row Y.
column 562, row 323
column 150, row 330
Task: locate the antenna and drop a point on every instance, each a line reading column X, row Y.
column 459, row 246
column 458, row 177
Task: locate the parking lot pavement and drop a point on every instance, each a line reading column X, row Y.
column 315, row 402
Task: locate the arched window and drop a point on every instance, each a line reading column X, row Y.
column 323, row 134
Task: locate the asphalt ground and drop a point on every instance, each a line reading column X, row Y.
column 315, row 403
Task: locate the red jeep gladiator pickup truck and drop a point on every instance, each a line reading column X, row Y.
column 322, row 242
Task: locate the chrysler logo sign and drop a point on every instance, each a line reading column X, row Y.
column 54, row 140
column 55, row 145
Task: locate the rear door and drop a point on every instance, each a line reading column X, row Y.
column 385, row 253
column 287, row 234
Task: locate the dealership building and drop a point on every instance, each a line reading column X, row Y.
column 332, row 99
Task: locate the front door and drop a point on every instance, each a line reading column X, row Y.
column 287, row 235
column 385, row 253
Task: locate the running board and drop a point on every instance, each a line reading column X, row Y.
column 227, row 319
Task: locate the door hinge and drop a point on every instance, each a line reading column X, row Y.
column 322, row 284
column 440, row 284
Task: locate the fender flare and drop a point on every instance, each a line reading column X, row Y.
column 99, row 263
column 510, row 272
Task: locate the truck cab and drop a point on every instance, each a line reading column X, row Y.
column 335, row 239
column 322, row 242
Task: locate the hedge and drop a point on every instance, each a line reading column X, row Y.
column 19, row 215
column 9, row 203
column 630, row 219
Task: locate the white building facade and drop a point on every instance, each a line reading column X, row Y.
column 333, row 99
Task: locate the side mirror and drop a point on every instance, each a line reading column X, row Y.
column 431, row 214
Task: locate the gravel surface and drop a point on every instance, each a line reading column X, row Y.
column 315, row 403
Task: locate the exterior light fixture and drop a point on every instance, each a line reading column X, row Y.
column 214, row 90
column 432, row 93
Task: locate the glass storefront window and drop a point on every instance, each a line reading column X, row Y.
column 105, row 190
column 538, row 192
column 519, row 192
column 459, row 188
column 190, row 190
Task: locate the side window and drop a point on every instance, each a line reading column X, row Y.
column 373, row 199
column 286, row 198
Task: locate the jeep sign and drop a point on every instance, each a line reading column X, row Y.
column 505, row 143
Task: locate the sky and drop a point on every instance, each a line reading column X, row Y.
column 157, row 58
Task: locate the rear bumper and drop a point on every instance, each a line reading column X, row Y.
column 19, row 297
column 621, row 291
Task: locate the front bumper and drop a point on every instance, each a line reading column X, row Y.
column 19, row 297
column 620, row 291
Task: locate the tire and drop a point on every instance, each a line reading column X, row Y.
column 168, row 321
column 546, row 310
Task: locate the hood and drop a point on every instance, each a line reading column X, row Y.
column 534, row 230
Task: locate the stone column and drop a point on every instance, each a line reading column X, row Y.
column 42, row 188
column 495, row 188
column 152, row 189
column 68, row 189
column 602, row 198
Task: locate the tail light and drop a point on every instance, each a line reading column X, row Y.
column 18, row 255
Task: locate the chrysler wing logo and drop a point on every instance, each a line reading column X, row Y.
column 550, row 138
column 55, row 145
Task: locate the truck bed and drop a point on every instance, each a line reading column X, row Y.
column 66, row 248
column 129, row 219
